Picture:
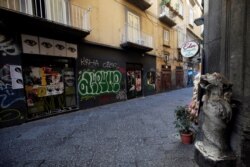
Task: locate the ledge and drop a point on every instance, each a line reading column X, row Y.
column 142, row 4
column 134, row 46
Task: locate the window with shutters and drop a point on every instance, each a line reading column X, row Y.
column 191, row 16
column 166, row 37
column 133, row 28
column 180, row 9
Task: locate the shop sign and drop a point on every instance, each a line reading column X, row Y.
column 189, row 49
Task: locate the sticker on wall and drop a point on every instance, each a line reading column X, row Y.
column 5, row 78
column 8, row 46
column 16, row 76
column 30, row 44
column 71, row 50
column 17, row 83
column 46, row 46
column 59, row 48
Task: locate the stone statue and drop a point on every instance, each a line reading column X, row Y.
column 217, row 114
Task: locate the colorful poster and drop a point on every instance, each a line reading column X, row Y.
column 45, row 80
column 138, row 81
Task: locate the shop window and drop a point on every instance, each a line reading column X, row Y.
column 49, row 85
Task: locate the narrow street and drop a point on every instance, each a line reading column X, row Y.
column 133, row 133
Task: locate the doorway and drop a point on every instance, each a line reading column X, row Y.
column 134, row 80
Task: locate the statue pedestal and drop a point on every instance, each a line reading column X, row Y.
column 205, row 161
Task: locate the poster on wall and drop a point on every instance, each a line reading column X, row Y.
column 42, row 82
column 8, row 46
column 151, row 80
column 69, row 83
column 11, row 77
column 71, row 50
column 5, row 78
column 59, row 48
column 46, row 46
column 138, row 81
column 30, row 44
column 16, row 76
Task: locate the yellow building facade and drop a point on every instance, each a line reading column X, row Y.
column 166, row 28
column 75, row 54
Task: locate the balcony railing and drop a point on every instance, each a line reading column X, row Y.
column 135, row 36
column 167, row 16
column 58, row 11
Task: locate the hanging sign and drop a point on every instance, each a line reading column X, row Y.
column 189, row 49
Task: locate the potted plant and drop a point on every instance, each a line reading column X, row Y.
column 183, row 124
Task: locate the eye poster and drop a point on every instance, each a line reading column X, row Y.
column 16, row 76
column 46, row 46
column 30, row 44
column 59, row 48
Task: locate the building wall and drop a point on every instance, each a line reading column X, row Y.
column 227, row 45
column 108, row 26
column 99, row 53
column 111, row 66
column 12, row 97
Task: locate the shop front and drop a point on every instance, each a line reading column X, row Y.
column 49, row 85
column 37, row 77
column 37, row 61
column 49, row 75
column 108, row 75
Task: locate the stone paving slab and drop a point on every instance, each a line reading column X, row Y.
column 132, row 133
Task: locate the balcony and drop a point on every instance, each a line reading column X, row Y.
column 142, row 4
column 134, row 39
column 48, row 17
column 167, row 16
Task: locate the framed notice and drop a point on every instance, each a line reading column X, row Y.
column 30, row 44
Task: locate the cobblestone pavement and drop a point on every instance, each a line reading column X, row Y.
column 133, row 133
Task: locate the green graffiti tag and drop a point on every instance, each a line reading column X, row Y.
column 99, row 82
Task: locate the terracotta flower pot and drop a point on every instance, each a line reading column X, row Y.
column 186, row 138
